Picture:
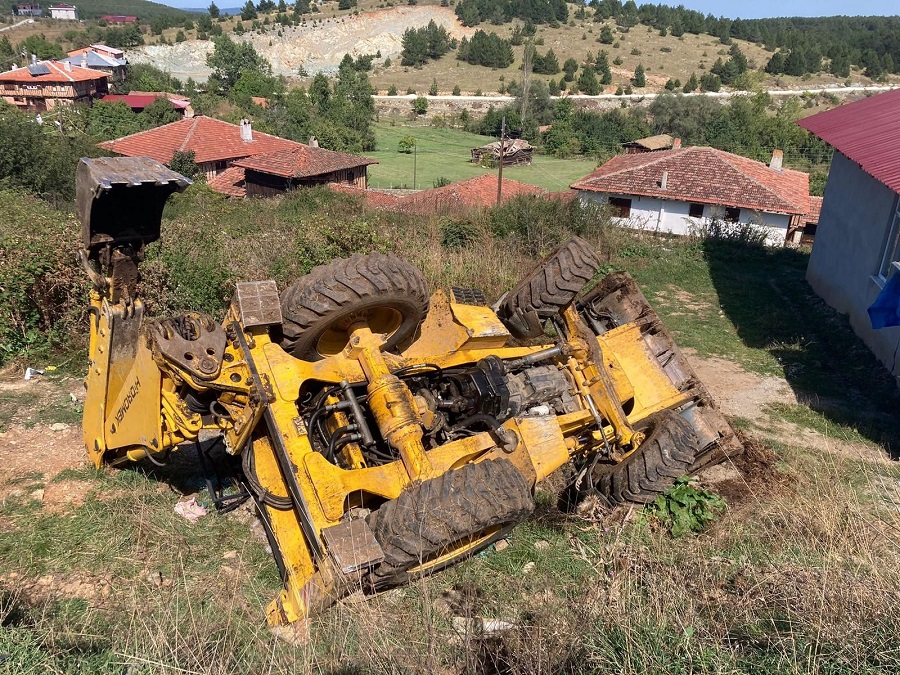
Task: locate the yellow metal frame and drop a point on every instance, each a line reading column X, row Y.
column 134, row 407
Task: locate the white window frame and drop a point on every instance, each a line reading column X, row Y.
column 890, row 256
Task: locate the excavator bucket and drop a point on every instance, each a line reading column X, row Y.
column 120, row 200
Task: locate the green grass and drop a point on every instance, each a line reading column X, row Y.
column 446, row 153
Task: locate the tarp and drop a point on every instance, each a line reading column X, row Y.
column 885, row 311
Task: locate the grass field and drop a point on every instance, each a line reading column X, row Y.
column 445, row 153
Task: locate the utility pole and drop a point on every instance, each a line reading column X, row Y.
column 500, row 167
column 415, row 156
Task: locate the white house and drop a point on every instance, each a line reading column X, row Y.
column 857, row 247
column 64, row 12
column 681, row 190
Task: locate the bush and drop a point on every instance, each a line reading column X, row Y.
column 406, row 145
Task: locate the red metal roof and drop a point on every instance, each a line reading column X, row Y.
column 480, row 191
column 139, row 102
column 866, row 131
column 703, row 175
column 211, row 140
column 58, row 73
column 302, row 161
column 230, row 182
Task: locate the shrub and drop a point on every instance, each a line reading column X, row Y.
column 406, row 145
column 686, row 508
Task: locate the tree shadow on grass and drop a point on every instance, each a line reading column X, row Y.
column 764, row 294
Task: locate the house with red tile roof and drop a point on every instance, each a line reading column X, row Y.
column 43, row 85
column 856, row 254
column 230, row 182
column 472, row 193
column 680, row 190
column 273, row 173
column 216, row 144
column 138, row 101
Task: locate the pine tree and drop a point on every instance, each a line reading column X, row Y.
column 691, row 84
column 213, row 10
column 639, row 80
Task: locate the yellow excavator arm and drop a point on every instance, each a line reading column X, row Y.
column 384, row 433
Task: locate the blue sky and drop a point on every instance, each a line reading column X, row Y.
column 746, row 9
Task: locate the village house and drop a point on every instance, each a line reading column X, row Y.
column 64, row 12
column 30, row 9
column 118, row 19
column 216, row 144
column 99, row 57
column 651, row 144
column 274, row 173
column 857, row 240
column 43, row 85
column 681, row 190
column 138, row 100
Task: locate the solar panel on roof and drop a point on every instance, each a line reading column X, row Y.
column 38, row 69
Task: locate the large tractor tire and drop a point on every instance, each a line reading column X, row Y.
column 441, row 521
column 381, row 290
column 548, row 288
column 665, row 455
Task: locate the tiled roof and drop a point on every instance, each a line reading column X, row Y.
column 211, row 140
column 815, row 210
column 658, row 142
column 475, row 192
column 302, row 161
column 230, row 182
column 373, row 199
column 58, row 73
column 866, row 131
column 703, row 175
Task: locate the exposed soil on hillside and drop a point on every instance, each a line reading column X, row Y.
column 316, row 48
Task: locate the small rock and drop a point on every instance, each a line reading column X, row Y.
column 37, row 495
column 229, row 555
column 501, row 545
column 529, row 566
column 59, row 426
column 542, row 545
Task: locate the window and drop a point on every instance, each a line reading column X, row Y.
column 732, row 214
column 892, row 244
column 621, row 207
column 695, row 211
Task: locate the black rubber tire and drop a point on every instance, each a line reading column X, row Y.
column 334, row 294
column 548, row 288
column 451, row 508
column 665, row 455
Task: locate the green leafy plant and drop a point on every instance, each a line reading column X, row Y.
column 686, row 508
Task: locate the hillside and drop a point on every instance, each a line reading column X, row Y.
column 321, row 41
column 143, row 9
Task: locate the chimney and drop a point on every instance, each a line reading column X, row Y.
column 777, row 159
column 84, row 59
column 246, row 131
column 676, row 144
column 665, row 180
column 68, row 66
column 313, row 142
column 33, row 59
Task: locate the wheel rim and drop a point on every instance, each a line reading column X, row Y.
column 335, row 336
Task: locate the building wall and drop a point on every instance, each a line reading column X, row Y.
column 64, row 14
column 673, row 217
column 847, row 255
column 268, row 185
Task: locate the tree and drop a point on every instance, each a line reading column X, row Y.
column 691, row 85
column 795, row 62
column 606, row 36
column 569, row 68
column 602, row 67
column 775, row 66
column 587, row 82
column 248, row 11
column 639, row 80
column 185, row 163
column 710, row 82
column 406, row 145
column 180, row 36
column 158, row 113
column 230, row 60
column 213, row 10
column 420, row 105
column 433, row 89
column 392, row 90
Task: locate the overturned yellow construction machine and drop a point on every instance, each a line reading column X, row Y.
column 382, row 433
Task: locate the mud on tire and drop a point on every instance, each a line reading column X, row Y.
column 665, row 455
column 382, row 289
column 456, row 508
column 548, row 288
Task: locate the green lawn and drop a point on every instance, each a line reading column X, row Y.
column 446, row 153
